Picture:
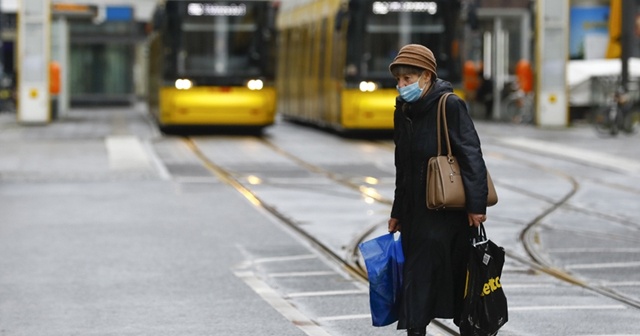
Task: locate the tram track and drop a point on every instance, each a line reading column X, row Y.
column 534, row 259
column 352, row 266
column 528, row 236
column 529, row 239
column 229, row 179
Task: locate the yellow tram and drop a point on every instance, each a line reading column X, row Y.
column 333, row 57
column 212, row 63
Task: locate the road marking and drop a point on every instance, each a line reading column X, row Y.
column 604, row 265
column 292, row 314
column 328, row 293
column 621, row 283
column 595, row 250
column 344, row 317
column 526, row 286
column 515, row 269
column 196, row 179
column 608, row 161
column 126, row 152
column 300, row 274
column 433, row 329
column 162, row 170
column 601, row 307
column 285, row 258
column 296, row 181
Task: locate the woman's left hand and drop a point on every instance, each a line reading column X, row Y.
column 476, row 219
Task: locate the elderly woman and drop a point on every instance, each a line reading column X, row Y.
column 435, row 242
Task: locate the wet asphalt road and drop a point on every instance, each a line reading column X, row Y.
column 109, row 228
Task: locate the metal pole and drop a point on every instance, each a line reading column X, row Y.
column 497, row 67
column 626, row 39
column 33, row 41
column 552, row 40
column 1, row 46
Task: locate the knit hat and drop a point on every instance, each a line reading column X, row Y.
column 416, row 55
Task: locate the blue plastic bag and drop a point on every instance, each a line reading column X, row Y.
column 384, row 261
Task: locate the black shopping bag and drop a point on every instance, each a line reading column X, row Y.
column 485, row 304
column 384, row 260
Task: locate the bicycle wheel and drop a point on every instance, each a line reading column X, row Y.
column 616, row 120
column 527, row 113
column 513, row 111
column 600, row 120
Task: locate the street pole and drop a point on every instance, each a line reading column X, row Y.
column 552, row 53
column 1, row 46
column 626, row 39
column 33, row 41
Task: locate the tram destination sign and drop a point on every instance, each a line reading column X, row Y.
column 386, row 7
column 213, row 9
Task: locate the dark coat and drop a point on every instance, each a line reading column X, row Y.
column 435, row 242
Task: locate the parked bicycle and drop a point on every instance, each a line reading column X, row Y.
column 620, row 114
column 519, row 107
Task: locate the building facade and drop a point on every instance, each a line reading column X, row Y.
column 105, row 45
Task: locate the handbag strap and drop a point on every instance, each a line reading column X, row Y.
column 442, row 113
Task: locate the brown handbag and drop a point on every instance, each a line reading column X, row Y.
column 445, row 189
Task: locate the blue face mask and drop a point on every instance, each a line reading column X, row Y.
column 411, row 92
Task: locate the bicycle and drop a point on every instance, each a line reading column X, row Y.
column 619, row 114
column 519, row 107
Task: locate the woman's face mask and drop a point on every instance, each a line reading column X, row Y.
column 411, row 92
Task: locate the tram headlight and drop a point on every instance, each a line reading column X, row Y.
column 183, row 84
column 368, row 86
column 255, row 84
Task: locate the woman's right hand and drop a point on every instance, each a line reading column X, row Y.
column 476, row 219
column 394, row 225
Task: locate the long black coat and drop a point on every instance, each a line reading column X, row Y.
column 435, row 242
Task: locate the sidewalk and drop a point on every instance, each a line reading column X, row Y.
column 82, row 146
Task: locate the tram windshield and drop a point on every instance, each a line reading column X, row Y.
column 221, row 39
column 390, row 25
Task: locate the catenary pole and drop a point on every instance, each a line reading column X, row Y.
column 626, row 39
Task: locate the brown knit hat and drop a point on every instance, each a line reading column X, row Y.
column 416, row 55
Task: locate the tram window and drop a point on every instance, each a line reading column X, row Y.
column 220, row 45
column 384, row 34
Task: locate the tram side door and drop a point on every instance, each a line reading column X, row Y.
column 505, row 39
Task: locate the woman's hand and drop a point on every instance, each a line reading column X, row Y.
column 394, row 225
column 476, row 219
